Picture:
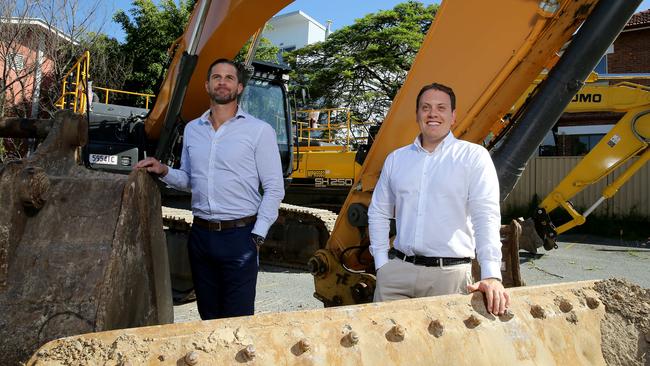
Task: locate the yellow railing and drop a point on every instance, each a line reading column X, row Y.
column 335, row 130
column 117, row 91
column 75, row 84
column 74, row 88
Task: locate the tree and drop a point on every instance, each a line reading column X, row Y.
column 362, row 66
column 164, row 24
column 109, row 66
column 39, row 42
column 150, row 31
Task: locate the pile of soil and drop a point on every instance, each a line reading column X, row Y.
column 626, row 327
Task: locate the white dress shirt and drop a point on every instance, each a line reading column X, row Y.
column 446, row 204
column 223, row 170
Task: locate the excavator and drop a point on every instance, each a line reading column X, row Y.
column 627, row 106
column 74, row 261
column 325, row 169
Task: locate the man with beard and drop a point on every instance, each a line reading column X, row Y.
column 227, row 154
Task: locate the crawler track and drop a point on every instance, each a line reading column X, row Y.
column 291, row 241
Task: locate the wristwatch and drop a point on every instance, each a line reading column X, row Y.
column 258, row 240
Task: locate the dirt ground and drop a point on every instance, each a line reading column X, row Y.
column 626, row 328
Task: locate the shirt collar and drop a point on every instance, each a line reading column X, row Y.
column 448, row 140
column 204, row 119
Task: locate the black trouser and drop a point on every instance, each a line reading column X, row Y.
column 224, row 269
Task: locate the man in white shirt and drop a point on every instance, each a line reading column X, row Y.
column 227, row 154
column 444, row 195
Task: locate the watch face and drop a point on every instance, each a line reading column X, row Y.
column 258, row 240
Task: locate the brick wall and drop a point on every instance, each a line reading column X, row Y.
column 631, row 54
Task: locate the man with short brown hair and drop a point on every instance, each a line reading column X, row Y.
column 444, row 194
column 227, row 154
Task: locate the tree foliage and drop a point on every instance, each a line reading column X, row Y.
column 266, row 51
column 109, row 66
column 150, row 31
column 51, row 28
column 362, row 66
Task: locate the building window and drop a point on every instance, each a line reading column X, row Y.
column 577, row 145
column 16, row 61
column 601, row 68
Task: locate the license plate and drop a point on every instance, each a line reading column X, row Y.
column 103, row 159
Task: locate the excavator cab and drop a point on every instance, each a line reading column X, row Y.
column 117, row 139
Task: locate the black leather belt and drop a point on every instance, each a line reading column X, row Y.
column 223, row 225
column 419, row 260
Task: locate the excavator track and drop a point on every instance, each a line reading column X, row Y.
column 297, row 234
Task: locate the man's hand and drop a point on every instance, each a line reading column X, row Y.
column 498, row 299
column 258, row 240
column 153, row 166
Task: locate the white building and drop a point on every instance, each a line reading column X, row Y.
column 294, row 30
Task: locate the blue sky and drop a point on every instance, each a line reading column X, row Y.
column 341, row 12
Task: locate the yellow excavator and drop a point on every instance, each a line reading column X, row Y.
column 74, row 261
column 321, row 170
column 628, row 105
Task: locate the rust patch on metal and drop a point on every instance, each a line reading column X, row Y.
column 537, row 312
column 592, row 303
column 572, row 318
column 396, row 333
column 472, row 322
column 564, row 304
column 436, row 328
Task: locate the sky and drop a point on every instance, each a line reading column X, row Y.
column 340, row 12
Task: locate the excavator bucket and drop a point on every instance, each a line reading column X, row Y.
column 580, row 323
column 80, row 251
column 510, row 245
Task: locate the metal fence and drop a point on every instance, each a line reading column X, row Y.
column 543, row 173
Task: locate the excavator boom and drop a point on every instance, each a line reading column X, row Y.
column 487, row 86
column 217, row 29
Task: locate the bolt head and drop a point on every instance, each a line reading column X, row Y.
column 192, row 358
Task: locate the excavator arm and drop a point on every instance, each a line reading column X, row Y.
column 217, row 28
column 627, row 139
column 490, row 64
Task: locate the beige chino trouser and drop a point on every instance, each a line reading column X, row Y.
column 403, row 280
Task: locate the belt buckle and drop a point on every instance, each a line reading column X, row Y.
column 217, row 225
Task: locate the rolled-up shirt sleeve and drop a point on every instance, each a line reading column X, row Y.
column 269, row 169
column 180, row 178
column 484, row 209
column 381, row 210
